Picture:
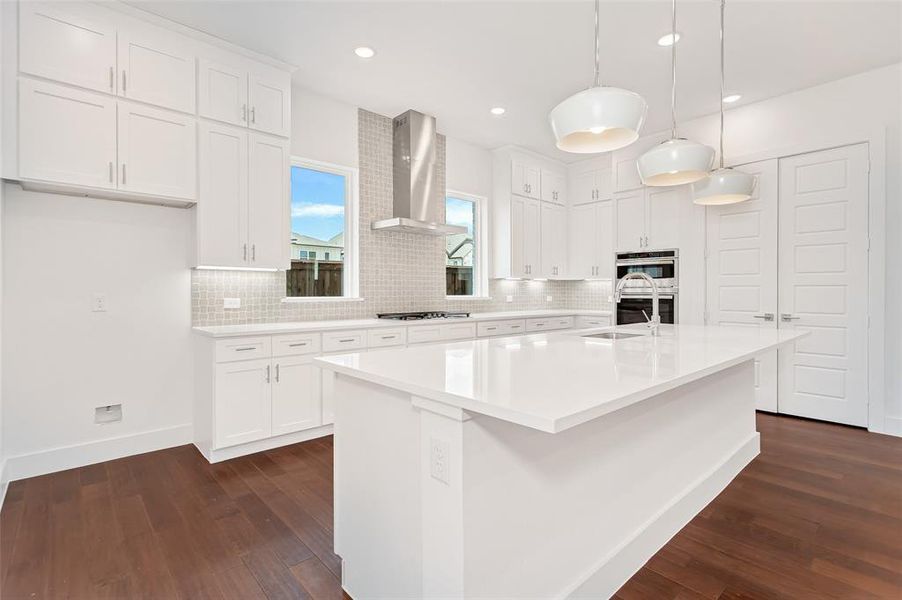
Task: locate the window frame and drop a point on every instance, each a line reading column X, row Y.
column 351, row 268
column 480, row 241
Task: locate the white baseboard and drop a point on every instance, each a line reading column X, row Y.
column 4, row 482
column 606, row 577
column 216, row 456
column 89, row 453
column 892, row 426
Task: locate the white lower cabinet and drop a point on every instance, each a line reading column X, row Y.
column 243, row 407
column 586, row 322
column 296, row 394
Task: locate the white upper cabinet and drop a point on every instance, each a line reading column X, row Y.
column 664, row 216
column 222, row 92
column 65, row 43
column 156, row 67
column 625, row 169
column 554, row 186
column 525, row 179
column 525, row 236
column 222, row 198
column 269, row 99
column 591, row 240
column 66, row 135
column 268, row 190
column 553, row 248
column 157, row 153
column 591, row 186
column 629, row 208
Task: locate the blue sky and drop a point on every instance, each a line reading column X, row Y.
column 459, row 212
column 317, row 203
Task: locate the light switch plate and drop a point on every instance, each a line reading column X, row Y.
column 548, row 298
column 231, row 302
column 508, row 298
column 98, row 303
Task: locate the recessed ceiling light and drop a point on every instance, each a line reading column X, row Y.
column 732, row 98
column 667, row 40
column 498, row 110
column 365, row 52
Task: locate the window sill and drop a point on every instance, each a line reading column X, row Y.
column 468, row 297
column 308, row 299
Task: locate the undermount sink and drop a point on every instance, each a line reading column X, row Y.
column 613, row 335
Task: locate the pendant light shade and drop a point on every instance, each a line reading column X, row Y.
column 599, row 119
column 723, row 186
column 677, row 161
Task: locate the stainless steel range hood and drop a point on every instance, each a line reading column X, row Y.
column 418, row 205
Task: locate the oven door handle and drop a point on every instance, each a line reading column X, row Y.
column 645, row 261
column 626, row 296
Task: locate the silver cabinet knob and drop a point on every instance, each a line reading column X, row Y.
column 765, row 316
column 788, row 317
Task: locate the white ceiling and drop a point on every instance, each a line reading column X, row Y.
column 457, row 59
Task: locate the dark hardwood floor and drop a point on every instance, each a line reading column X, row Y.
column 817, row 515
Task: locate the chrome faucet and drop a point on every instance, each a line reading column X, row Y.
column 655, row 319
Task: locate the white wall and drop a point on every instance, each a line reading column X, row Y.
column 61, row 360
column 468, row 168
column 323, row 129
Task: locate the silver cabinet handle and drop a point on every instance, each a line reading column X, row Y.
column 346, row 340
column 765, row 316
column 245, row 349
column 253, row 114
column 123, row 81
column 297, row 344
column 123, row 173
column 277, row 372
column 253, row 251
column 515, row 327
column 491, row 328
column 788, row 317
column 267, row 374
column 244, row 112
column 646, row 241
column 245, row 253
column 112, row 83
column 111, row 171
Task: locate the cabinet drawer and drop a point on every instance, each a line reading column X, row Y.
column 549, row 323
column 459, row 331
column 294, row 344
column 246, row 348
column 338, row 341
column 562, row 322
column 424, row 333
column 586, row 322
column 501, row 328
column 382, row 338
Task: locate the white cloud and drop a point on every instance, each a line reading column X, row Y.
column 307, row 209
column 459, row 215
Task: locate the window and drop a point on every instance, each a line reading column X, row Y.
column 323, row 231
column 464, row 263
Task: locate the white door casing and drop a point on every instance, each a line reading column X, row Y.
column 823, row 283
column 742, row 269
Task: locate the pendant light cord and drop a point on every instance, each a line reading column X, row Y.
column 673, row 43
column 722, row 6
column 597, row 47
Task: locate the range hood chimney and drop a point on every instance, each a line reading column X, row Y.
column 416, row 206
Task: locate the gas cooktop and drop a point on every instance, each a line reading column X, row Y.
column 417, row 316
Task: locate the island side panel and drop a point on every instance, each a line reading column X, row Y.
column 575, row 514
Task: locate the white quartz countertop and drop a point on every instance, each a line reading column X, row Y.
column 555, row 381
column 299, row 326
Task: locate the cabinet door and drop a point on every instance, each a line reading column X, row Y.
column 269, row 97
column 296, row 395
column 222, row 200
column 518, row 232
column 64, row 42
column 604, row 239
column 629, row 208
column 66, row 135
column 604, row 184
column 583, row 240
column 268, row 180
column 532, row 238
column 582, row 188
column 243, row 402
column 554, row 235
column 518, row 179
column 553, row 186
column 533, row 181
column 222, row 92
column 157, row 152
column 156, row 68
column 664, row 216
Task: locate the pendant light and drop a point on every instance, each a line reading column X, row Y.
column 723, row 186
column 677, row 161
column 599, row 119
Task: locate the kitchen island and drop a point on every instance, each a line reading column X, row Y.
column 542, row 466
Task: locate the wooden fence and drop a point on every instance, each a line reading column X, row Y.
column 315, row 278
column 458, row 281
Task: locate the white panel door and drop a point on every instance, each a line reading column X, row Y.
column 824, row 284
column 604, row 244
column 243, row 402
column 742, row 269
column 66, row 135
column 532, row 238
column 663, row 216
column 582, row 188
column 222, row 92
column 296, row 395
column 157, row 151
column 156, row 68
column 269, row 97
column 583, row 239
column 518, row 236
column 223, row 198
column 64, row 42
column 554, row 240
column 629, row 210
column 268, row 181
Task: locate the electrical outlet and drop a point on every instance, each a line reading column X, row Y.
column 438, row 459
column 98, row 303
column 508, row 298
column 549, row 299
column 108, row 414
column 231, row 302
